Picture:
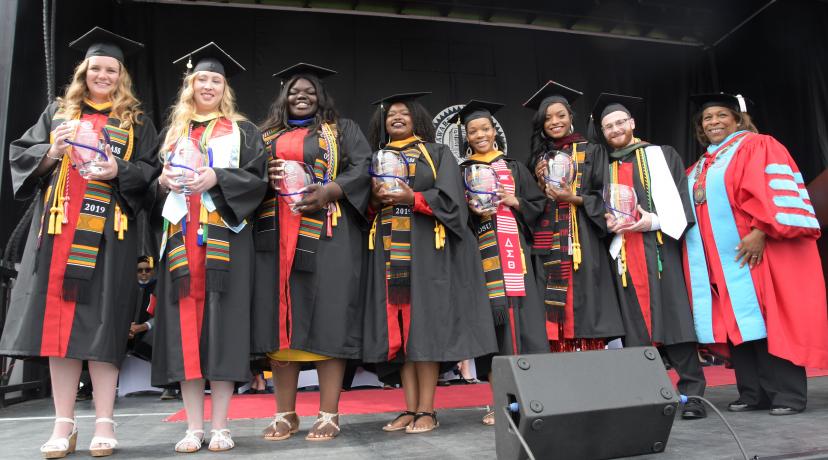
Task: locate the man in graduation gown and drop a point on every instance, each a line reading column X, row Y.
column 647, row 253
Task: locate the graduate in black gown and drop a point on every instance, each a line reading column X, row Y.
column 569, row 247
column 425, row 302
column 647, row 250
column 205, row 273
column 69, row 302
column 309, row 290
column 504, row 237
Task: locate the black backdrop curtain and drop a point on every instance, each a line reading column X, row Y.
column 379, row 56
column 780, row 61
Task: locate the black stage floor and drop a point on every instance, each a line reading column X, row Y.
column 23, row 427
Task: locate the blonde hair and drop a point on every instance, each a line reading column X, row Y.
column 125, row 106
column 183, row 110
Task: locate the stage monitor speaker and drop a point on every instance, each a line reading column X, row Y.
column 583, row 405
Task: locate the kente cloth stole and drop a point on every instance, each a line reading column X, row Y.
column 508, row 236
column 212, row 231
column 396, row 239
column 97, row 199
column 555, row 237
column 312, row 225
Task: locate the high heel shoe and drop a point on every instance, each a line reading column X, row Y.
column 61, row 447
column 101, row 446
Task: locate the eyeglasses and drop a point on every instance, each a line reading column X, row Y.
column 616, row 124
column 144, row 270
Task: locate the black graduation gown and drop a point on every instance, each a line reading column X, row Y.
column 671, row 315
column 327, row 304
column 595, row 304
column 450, row 317
column 529, row 311
column 96, row 329
column 224, row 343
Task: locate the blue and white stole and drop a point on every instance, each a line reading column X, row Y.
column 739, row 283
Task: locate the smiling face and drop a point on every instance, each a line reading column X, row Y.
column 208, row 90
column 302, row 99
column 480, row 133
column 102, row 75
column 398, row 122
column 718, row 123
column 144, row 272
column 618, row 129
column 558, row 122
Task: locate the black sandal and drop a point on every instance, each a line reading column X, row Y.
column 390, row 425
column 412, row 429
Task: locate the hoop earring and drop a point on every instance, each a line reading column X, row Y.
column 468, row 151
column 571, row 129
column 495, row 146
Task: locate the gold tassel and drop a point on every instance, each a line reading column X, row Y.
column 203, row 216
column 51, row 229
column 337, row 212
column 373, row 233
column 151, row 262
column 576, row 239
column 623, row 261
column 523, row 261
column 439, row 235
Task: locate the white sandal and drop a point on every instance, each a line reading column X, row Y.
column 61, row 447
column 220, row 440
column 191, row 442
column 281, row 417
column 324, row 419
column 106, row 446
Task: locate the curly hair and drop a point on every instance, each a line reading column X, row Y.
column 125, row 106
column 184, row 109
column 278, row 114
column 538, row 141
column 423, row 127
column 743, row 121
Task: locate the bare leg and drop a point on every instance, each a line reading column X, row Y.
column 192, row 392
column 408, row 375
column 330, row 374
column 222, row 393
column 65, row 375
column 285, row 379
column 104, row 381
column 427, row 374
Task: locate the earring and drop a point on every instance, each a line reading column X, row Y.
column 468, row 151
column 494, row 146
column 571, row 129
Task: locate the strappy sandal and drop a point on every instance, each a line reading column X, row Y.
column 489, row 419
column 390, row 425
column 61, row 447
column 412, row 428
column 191, row 442
column 105, row 446
column 324, row 419
column 281, row 417
column 220, row 440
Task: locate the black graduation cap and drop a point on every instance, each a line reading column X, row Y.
column 401, row 97
column 304, row 68
column 101, row 42
column 475, row 109
column 386, row 102
column 211, row 58
column 608, row 103
column 735, row 102
column 605, row 105
column 554, row 91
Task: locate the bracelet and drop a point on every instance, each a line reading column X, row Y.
column 60, row 158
